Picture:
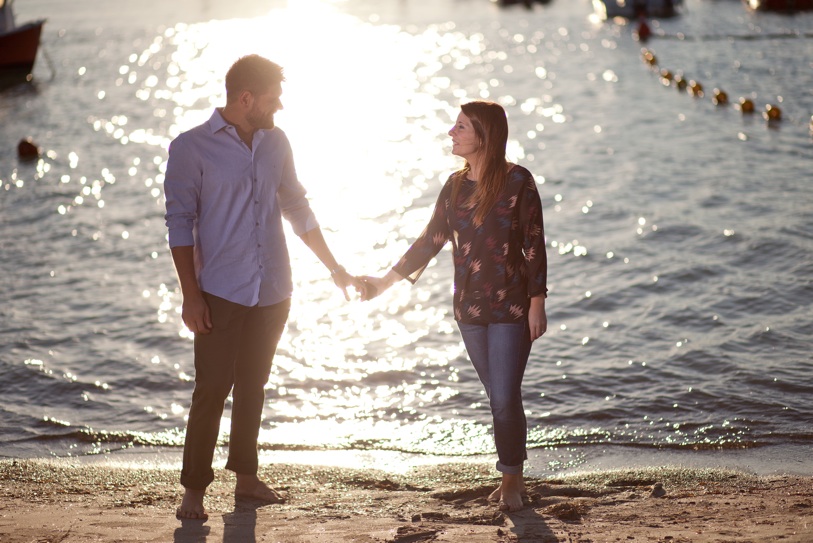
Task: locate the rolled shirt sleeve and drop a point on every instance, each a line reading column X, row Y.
column 292, row 199
column 181, row 189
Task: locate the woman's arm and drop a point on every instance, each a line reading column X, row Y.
column 536, row 259
column 430, row 242
column 537, row 317
column 417, row 257
column 533, row 245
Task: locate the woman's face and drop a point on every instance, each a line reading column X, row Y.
column 465, row 142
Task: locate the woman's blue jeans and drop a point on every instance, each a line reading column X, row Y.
column 499, row 352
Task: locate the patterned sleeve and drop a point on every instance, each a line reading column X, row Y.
column 429, row 243
column 533, row 246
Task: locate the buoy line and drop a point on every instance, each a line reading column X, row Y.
column 733, row 37
column 772, row 113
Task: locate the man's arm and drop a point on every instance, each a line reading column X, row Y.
column 181, row 190
column 315, row 241
column 195, row 310
column 296, row 209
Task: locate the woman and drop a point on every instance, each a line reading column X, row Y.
column 491, row 212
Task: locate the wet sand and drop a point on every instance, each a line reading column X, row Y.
column 47, row 501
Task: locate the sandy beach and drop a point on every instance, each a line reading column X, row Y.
column 48, row 501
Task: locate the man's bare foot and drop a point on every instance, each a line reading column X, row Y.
column 509, row 493
column 252, row 488
column 192, row 505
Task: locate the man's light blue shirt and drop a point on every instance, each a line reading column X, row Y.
column 228, row 201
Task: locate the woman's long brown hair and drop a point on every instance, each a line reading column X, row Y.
column 491, row 126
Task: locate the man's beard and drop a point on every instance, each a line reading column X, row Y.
column 258, row 121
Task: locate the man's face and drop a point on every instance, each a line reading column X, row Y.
column 261, row 114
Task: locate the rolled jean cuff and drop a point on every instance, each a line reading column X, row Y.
column 510, row 470
column 242, row 468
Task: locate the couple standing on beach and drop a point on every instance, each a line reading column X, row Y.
column 228, row 184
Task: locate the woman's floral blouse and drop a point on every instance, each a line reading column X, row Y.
column 500, row 264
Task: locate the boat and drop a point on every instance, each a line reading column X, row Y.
column 780, row 5
column 633, row 9
column 18, row 44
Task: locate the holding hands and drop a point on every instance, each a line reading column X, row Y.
column 373, row 286
column 366, row 286
column 344, row 280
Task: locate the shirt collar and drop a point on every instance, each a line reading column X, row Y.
column 217, row 123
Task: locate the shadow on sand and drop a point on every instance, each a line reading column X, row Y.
column 529, row 525
column 239, row 526
column 191, row 531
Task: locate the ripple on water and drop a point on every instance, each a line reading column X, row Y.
column 677, row 232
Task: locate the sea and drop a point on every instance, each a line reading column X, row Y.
column 679, row 230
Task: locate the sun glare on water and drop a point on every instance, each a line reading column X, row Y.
column 363, row 113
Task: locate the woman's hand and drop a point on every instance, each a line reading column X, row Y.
column 537, row 318
column 373, row 286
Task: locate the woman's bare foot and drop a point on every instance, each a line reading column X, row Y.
column 192, row 505
column 509, row 493
column 496, row 495
column 252, row 488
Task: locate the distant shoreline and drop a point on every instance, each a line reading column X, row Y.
column 55, row 501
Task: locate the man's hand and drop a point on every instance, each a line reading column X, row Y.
column 194, row 311
column 195, row 314
column 344, row 280
column 316, row 242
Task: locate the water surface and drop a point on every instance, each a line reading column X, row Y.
column 679, row 232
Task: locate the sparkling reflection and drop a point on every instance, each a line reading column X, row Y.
column 371, row 148
column 368, row 142
column 367, row 110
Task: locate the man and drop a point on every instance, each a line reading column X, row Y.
column 228, row 183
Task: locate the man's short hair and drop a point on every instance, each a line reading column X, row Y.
column 252, row 73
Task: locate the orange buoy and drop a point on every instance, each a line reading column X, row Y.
column 666, row 77
column 772, row 113
column 643, row 32
column 649, row 57
column 27, row 149
column 695, row 88
column 719, row 97
column 680, row 82
column 746, row 105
